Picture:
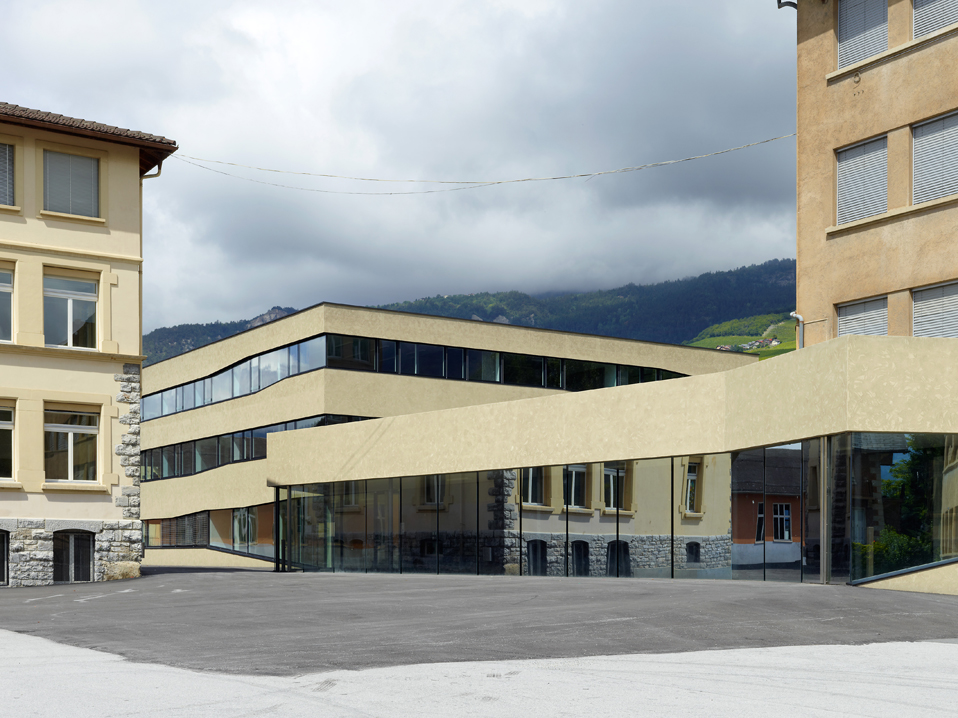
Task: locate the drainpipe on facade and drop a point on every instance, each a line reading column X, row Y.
column 801, row 328
column 159, row 171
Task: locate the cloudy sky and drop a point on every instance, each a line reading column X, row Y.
column 432, row 89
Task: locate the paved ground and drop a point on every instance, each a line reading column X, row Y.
column 41, row 678
column 250, row 622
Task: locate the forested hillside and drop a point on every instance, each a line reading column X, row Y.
column 167, row 342
column 672, row 312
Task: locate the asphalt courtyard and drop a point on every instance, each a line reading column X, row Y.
column 269, row 624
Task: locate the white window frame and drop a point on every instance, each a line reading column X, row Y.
column 8, row 289
column 72, row 429
column 577, row 473
column 530, row 478
column 613, row 487
column 782, row 522
column 760, row 523
column 8, row 426
column 693, row 485
column 351, row 494
column 70, row 296
column 433, row 489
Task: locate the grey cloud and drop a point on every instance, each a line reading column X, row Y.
column 434, row 89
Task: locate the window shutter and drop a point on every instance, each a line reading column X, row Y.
column 862, row 30
column 936, row 159
column 6, row 175
column 869, row 317
column 71, row 184
column 936, row 312
column 931, row 15
column 863, row 180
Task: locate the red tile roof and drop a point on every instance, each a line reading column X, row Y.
column 51, row 118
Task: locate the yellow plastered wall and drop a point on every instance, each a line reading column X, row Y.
column 107, row 249
column 908, row 247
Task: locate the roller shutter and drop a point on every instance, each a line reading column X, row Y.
column 936, row 159
column 869, row 317
column 862, row 30
column 863, row 180
column 6, row 175
column 936, row 311
column 931, row 15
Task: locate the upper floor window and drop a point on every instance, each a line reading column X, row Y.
column 932, row 15
column 869, row 317
column 574, row 486
column 862, row 180
column 614, row 489
column 6, row 442
column 70, row 445
column 935, row 311
column 782, row 522
column 6, row 306
column 935, row 158
column 7, row 195
column 433, row 489
column 693, row 498
column 760, row 523
column 69, row 313
column 533, row 486
column 71, row 184
column 862, row 30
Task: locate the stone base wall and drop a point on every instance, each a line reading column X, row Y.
column 118, row 548
column 714, row 551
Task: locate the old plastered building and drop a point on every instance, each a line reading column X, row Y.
column 70, row 345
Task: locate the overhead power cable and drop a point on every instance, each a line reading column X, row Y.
column 463, row 184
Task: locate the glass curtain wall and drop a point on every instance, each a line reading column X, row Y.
column 740, row 515
column 894, row 502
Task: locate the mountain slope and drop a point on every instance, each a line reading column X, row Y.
column 167, row 342
column 671, row 312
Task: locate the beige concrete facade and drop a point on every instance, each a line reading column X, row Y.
column 332, row 391
column 911, row 245
column 855, row 383
column 102, row 380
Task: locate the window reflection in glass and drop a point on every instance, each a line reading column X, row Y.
column 455, row 363
column 522, row 370
column 312, row 354
column 273, row 367
column 241, row 379
column 223, row 386
column 6, row 306
column 407, row 358
column 482, row 365
column 429, row 360
column 388, row 357
column 586, row 375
